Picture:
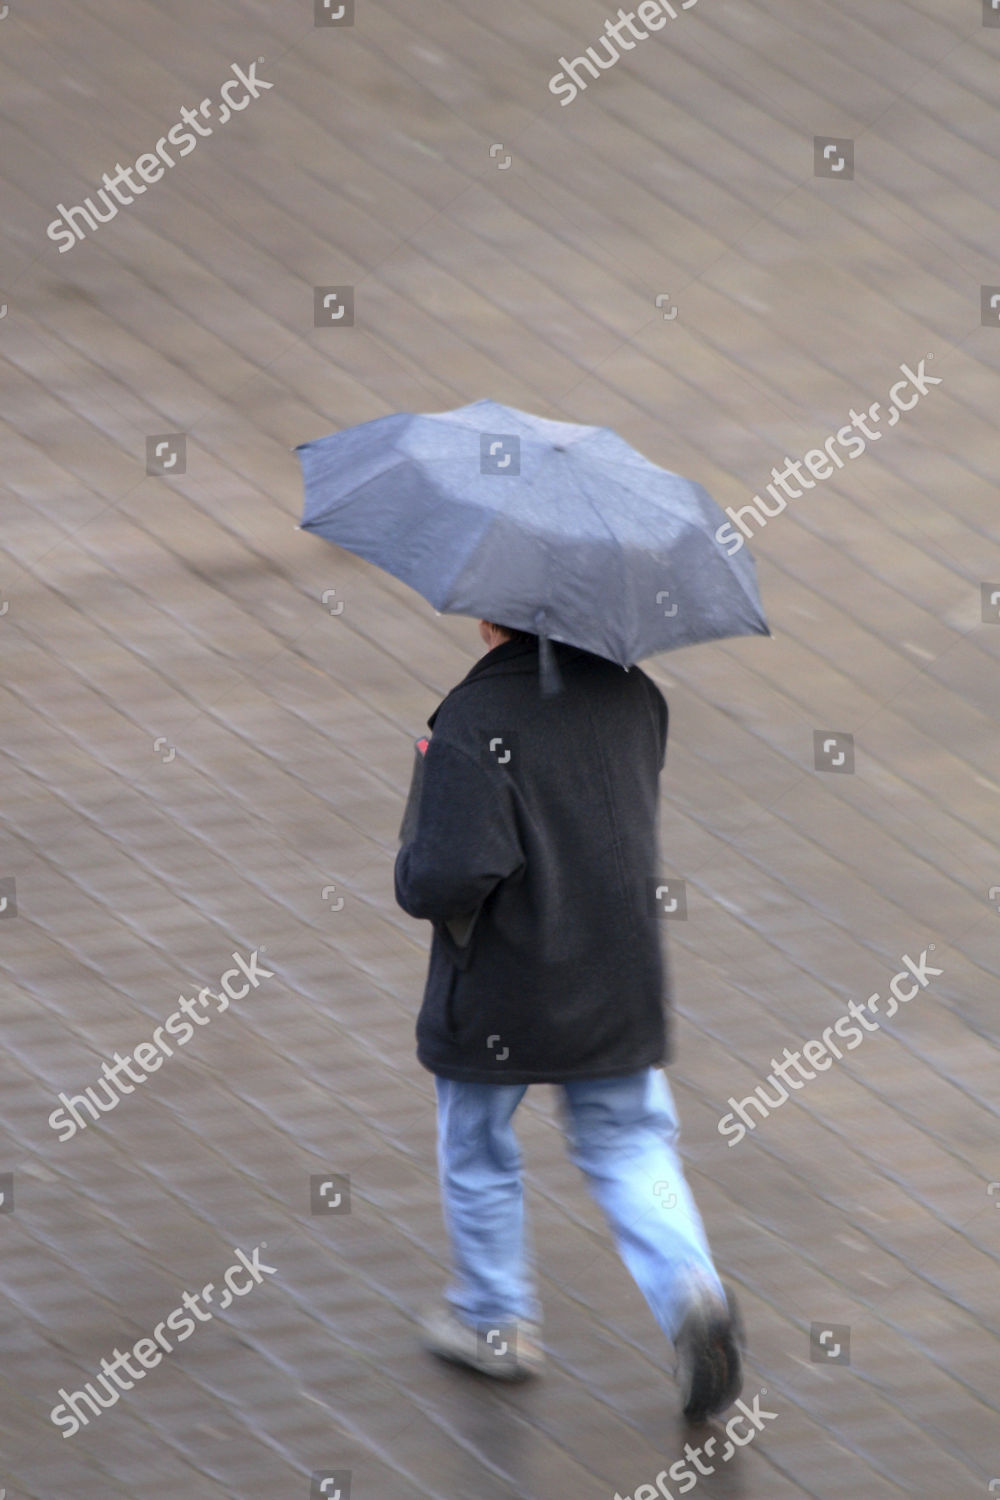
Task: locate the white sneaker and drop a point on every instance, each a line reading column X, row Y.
column 505, row 1351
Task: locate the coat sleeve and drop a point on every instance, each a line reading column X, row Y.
column 465, row 841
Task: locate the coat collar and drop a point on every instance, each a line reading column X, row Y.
column 509, row 658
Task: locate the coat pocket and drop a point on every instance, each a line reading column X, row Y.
column 457, row 937
column 450, row 1004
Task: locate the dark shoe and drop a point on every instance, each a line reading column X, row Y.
column 511, row 1351
column 709, row 1363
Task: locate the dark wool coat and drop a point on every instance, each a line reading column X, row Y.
column 537, row 817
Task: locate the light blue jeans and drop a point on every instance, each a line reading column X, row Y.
column 622, row 1134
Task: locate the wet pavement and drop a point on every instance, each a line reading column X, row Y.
column 726, row 247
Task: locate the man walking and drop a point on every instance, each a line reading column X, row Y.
column 534, row 854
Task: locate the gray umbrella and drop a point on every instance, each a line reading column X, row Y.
column 561, row 530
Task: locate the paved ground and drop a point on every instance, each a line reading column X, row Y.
column 204, row 751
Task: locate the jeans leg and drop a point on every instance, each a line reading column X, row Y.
column 623, row 1134
column 479, row 1165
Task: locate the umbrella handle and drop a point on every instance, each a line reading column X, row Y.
column 548, row 672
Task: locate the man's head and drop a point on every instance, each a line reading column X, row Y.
column 494, row 635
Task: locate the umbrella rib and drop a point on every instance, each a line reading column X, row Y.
column 611, row 533
column 380, row 474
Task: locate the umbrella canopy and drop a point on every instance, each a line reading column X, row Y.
column 562, row 530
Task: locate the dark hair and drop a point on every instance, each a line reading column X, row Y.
column 517, row 635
